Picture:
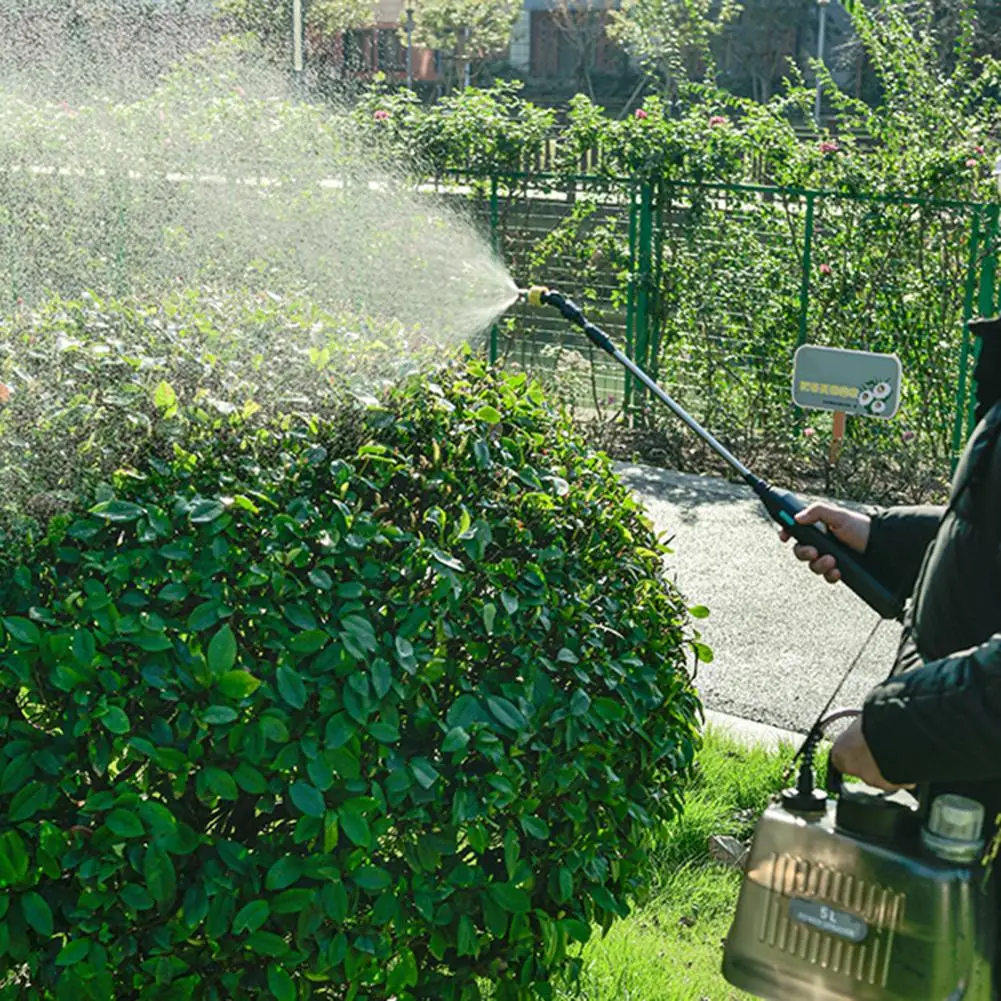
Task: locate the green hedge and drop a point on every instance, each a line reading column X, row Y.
column 378, row 703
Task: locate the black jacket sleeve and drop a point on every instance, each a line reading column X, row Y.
column 939, row 722
column 898, row 539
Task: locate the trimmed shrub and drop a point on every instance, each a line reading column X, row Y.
column 301, row 710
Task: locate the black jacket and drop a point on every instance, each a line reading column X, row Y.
column 937, row 720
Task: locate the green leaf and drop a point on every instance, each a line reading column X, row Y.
column 136, row 897
column 292, row 901
column 152, row 642
column 509, row 898
column 699, row 611
column 164, row 397
column 291, row 687
column 27, row 802
column 489, row 414
column 173, row 592
column 506, row 713
column 535, row 827
column 222, row 651
column 309, row 642
column 565, row 883
column 251, row 917
column 73, row 952
column 455, row 740
column 238, row 684
column 249, row 779
column 115, row 721
column 217, row 715
column 204, row 510
column 37, row 913
column 481, row 451
column 704, row 653
column 203, row 616
column 424, row 772
column 221, row 783
column 466, row 944
column 13, row 858
column 308, row 799
column 283, row 873
column 371, row 878
column 124, row 824
column 23, row 630
column 339, row 730
column 320, row 579
column 385, row 733
column 83, row 647
column 403, row 974
column 382, row 678
column 280, row 984
column 355, row 826
column 265, row 943
column 489, row 617
column 119, row 511
column 158, row 871
column 576, row 930
column 580, row 702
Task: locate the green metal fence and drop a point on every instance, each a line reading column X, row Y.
column 710, row 287
column 713, row 287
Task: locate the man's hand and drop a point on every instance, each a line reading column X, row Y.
column 851, row 756
column 849, row 527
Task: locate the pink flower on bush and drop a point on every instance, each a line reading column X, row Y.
column 641, row 114
column 907, row 436
column 830, row 147
column 979, row 150
column 381, row 115
column 240, row 92
column 4, row 393
column 809, row 432
column 826, row 269
column 972, row 163
column 716, row 121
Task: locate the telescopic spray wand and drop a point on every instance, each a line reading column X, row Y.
column 780, row 504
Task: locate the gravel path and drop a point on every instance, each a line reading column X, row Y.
column 781, row 636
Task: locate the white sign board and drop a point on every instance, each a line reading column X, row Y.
column 858, row 383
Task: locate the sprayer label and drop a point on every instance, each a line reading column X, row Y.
column 828, row 919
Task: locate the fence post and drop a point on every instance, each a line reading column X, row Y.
column 804, row 288
column 627, row 395
column 495, row 243
column 964, row 351
column 645, row 251
column 985, row 297
column 655, row 315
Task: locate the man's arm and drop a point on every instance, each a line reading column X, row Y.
column 898, row 540
column 940, row 722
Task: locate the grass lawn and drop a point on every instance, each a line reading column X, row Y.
column 670, row 948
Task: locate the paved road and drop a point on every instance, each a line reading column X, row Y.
column 781, row 636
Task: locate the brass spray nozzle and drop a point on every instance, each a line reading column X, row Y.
column 535, row 294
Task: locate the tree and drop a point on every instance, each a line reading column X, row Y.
column 958, row 30
column 672, row 38
column 464, row 32
column 583, row 26
column 271, row 21
column 758, row 46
